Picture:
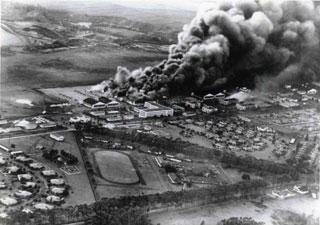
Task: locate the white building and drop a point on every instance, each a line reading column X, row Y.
column 208, row 109
column 57, row 181
column 245, row 106
column 93, row 104
column 8, row 201
column 48, row 173
column 36, row 165
column 208, row 97
column 54, row 199
column 153, row 109
column 301, row 189
column 312, row 92
column 57, row 137
column 22, row 177
column 22, row 194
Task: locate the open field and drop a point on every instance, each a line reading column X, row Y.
column 211, row 214
column 79, row 183
column 22, row 73
column 116, row 167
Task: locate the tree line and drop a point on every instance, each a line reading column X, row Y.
column 174, row 146
column 134, row 209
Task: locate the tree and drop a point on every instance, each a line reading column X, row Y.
column 245, row 177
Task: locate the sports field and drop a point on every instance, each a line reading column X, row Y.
column 116, row 167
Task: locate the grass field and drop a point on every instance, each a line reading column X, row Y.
column 116, row 167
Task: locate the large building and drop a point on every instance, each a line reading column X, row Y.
column 109, row 103
column 153, row 109
column 93, row 104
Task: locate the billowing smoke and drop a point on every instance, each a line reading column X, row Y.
column 233, row 43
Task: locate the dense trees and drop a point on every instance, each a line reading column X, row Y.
column 239, row 221
column 247, row 163
column 132, row 209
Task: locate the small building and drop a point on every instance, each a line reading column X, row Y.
column 22, row 194
column 3, row 185
column 16, row 153
column 283, row 194
column 312, row 92
column 58, row 190
column 208, row 109
column 178, row 108
column 57, row 137
column 301, row 189
column 192, row 104
column 153, row 109
column 2, row 161
column 23, row 159
column 43, row 206
column 128, row 116
column 57, row 182
column 3, row 122
column 29, row 185
column 24, row 177
column 292, row 141
column 8, row 201
column 228, row 101
column 48, row 173
column 47, row 125
column 2, row 147
column 245, row 89
column 93, row 104
column 36, row 166
column 54, row 199
column 245, row 106
column 12, row 169
column 81, row 119
column 98, row 113
column 173, row 178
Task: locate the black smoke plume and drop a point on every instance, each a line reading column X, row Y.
column 232, row 43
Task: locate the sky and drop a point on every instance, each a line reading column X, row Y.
column 146, row 4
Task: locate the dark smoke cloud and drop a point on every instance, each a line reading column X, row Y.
column 233, row 43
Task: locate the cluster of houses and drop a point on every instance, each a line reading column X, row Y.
column 26, row 172
column 232, row 135
column 294, row 96
column 297, row 189
column 26, row 124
